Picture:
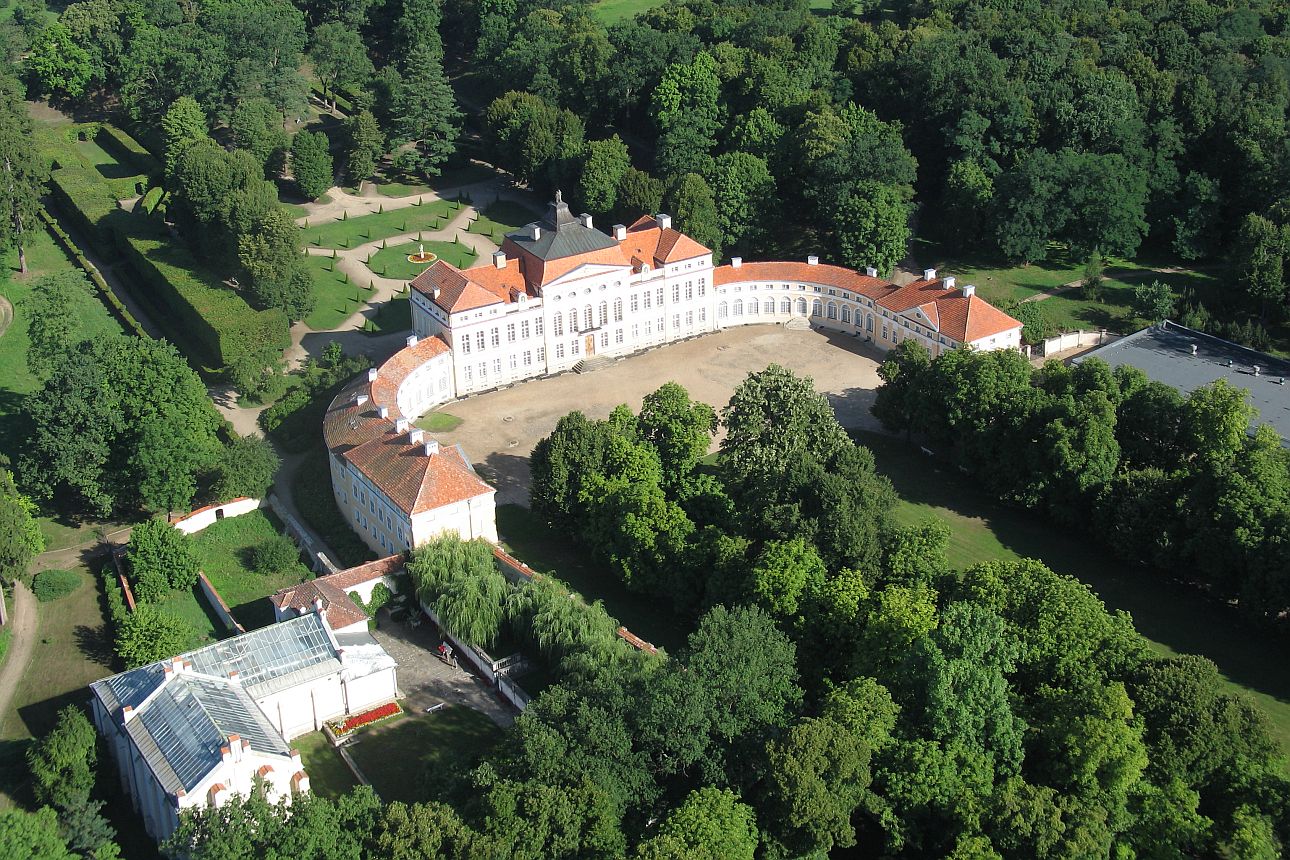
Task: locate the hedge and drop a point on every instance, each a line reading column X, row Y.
column 217, row 323
column 121, row 312
column 88, row 203
column 112, row 139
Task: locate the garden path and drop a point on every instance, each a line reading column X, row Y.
column 340, row 203
column 22, row 637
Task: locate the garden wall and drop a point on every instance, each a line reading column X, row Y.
column 211, row 514
column 219, row 606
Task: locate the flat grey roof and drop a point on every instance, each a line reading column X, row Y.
column 1164, row 353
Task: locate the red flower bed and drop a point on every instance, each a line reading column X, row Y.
column 357, row 721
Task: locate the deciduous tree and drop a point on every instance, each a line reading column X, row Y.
column 311, row 164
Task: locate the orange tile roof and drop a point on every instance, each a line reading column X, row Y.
column 834, row 276
column 968, row 319
column 451, row 289
column 337, row 607
column 647, row 241
column 397, row 368
column 352, row 576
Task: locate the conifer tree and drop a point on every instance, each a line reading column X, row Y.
column 425, row 113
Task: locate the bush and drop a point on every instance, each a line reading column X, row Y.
column 296, row 419
column 117, row 142
column 50, row 585
column 274, row 555
column 245, row 468
column 88, row 203
column 161, row 558
column 150, row 634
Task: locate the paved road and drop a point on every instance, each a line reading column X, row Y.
column 22, row 637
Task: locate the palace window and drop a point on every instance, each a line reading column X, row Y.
column 515, row 360
column 574, row 347
column 479, row 340
column 635, row 303
column 703, row 314
column 537, row 326
column 689, row 290
column 801, row 306
column 604, row 313
column 541, row 356
column 723, row 310
column 676, row 321
column 658, row 296
column 785, row 306
column 689, row 318
column 676, row 292
column 587, row 317
column 703, row 291
column 648, row 297
column 528, row 357
column 604, row 338
column 846, row 314
column 524, row 330
column 465, row 345
column 739, row 307
column 816, row 308
column 495, row 336
column 752, row 307
column 618, row 335
column 558, row 325
column 868, row 324
column 483, row 370
column 768, row 306
column 833, row 311
column 510, row 332
column 559, row 350
column 618, row 310
column 573, row 322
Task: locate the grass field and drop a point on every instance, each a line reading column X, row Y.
column 544, row 548
column 334, row 295
column 392, row 316
column 502, row 217
column 312, row 493
column 224, row 549
column 190, row 606
column 392, row 262
column 407, row 757
column 1174, row 619
column 329, row 776
column 439, row 422
column 381, row 225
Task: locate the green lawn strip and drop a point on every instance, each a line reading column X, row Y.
column 44, row 257
column 72, row 648
column 394, row 315
column 392, row 262
column 502, row 217
column 610, row 12
column 439, row 422
column 60, row 143
column 191, row 607
column 1173, row 618
column 400, row 188
column 311, row 491
column 224, row 549
column 334, row 296
column 406, row 757
column 548, row 549
column 432, row 215
column 329, row 776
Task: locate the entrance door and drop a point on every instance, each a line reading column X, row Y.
column 591, row 345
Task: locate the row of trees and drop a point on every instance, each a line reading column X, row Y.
column 1176, row 483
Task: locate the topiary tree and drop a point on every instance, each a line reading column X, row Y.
column 52, row 584
column 160, row 559
column 311, row 164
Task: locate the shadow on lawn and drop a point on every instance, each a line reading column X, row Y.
column 1168, row 612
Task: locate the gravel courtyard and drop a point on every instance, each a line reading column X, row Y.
column 500, row 428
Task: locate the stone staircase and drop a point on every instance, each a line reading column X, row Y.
column 596, row 362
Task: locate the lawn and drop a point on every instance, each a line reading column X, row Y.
column 334, row 295
column 381, row 225
column 467, row 174
column 502, row 217
column 1174, row 619
column 224, row 550
column 610, row 12
column 191, row 607
column 394, row 315
column 439, row 422
column 411, row 757
column 329, row 776
column 544, row 548
column 392, row 262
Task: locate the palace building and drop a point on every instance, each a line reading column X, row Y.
column 560, row 293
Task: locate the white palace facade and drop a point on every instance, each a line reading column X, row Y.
column 559, row 292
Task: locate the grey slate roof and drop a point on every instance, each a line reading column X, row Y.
column 1163, row 353
column 562, row 235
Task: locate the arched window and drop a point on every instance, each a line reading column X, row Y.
column 868, row 323
column 785, row 306
column 618, row 310
column 722, row 310
column 801, row 306
column 846, row 314
column 588, row 318
column 558, row 324
column 817, row 309
column 768, row 306
column 573, row 320
column 604, row 313
column 739, row 307
column 832, row 311
column 752, row 307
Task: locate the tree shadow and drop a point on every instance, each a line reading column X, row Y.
column 510, row 474
column 95, row 643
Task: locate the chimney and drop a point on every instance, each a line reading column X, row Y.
column 372, row 373
column 431, row 448
column 401, row 425
column 177, row 664
column 434, row 293
column 664, row 221
column 412, row 340
column 736, row 262
column 968, row 291
column 499, row 259
column 620, row 232
column 535, row 232
column 871, row 271
column 383, row 412
column 585, row 220
column 127, row 713
column 232, row 675
column 813, row 260
column 947, row 282
column 318, row 605
column 415, row 436
column 1256, row 370
column 360, row 399
column 929, row 274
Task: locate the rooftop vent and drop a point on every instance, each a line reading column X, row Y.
column 1256, row 370
column 620, row 232
column 871, row 271
column 431, row 448
column 411, row 340
column 535, row 232
column 372, row 373
column 947, row 282
column 664, row 221
column 929, row 274
column 585, row 220
column 401, row 426
column 1193, row 349
column 499, row 259
column 384, row 412
column 360, row 399
column 812, row 260
column 968, row 291
column 415, row 436
column 736, row 262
